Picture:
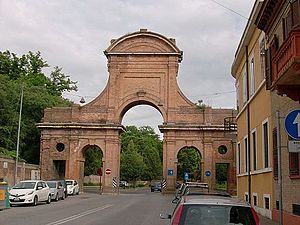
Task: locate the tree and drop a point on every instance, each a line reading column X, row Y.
column 148, row 145
column 132, row 164
column 40, row 91
column 93, row 160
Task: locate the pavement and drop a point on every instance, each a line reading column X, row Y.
column 267, row 221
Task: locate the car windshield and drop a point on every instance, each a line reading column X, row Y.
column 24, row 185
column 216, row 214
column 69, row 182
column 51, row 184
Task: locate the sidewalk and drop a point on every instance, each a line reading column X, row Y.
column 266, row 221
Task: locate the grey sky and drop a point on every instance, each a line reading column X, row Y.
column 73, row 34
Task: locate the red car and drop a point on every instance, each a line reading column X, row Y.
column 212, row 210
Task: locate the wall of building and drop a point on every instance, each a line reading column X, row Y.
column 25, row 171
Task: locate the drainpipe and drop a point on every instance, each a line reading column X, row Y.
column 248, row 127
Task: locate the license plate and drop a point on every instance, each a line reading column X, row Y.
column 16, row 199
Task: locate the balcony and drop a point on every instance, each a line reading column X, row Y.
column 286, row 67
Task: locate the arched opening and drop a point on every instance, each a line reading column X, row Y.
column 141, row 146
column 189, row 164
column 93, row 164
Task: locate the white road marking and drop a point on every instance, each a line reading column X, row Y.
column 68, row 219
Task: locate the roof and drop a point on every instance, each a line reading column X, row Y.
column 214, row 200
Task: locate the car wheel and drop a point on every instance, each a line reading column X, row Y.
column 152, row 190
column 56, row 197
column 63, row 196
column 77, row 192
column 49, row 199
column 11, row 205
column 35, row 200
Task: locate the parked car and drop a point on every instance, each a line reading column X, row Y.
column 72, row 187
column 29, row 192
column 124, row 184
column 155, row 187
column 56, row 189
column 212, row 210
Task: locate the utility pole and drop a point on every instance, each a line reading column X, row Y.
column 18, row 138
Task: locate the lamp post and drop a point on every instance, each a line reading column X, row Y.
column 18, row 138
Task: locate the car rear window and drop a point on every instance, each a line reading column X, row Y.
column 216, row 215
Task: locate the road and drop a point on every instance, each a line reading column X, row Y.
column 128, row 208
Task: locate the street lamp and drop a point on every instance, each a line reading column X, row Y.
column 18, row 138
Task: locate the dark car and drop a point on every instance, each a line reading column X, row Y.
column 212, row 210
column 155, row 187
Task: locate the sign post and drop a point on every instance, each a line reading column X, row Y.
column 99, row 172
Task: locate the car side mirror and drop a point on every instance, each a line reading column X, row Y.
column 39, row 188
column 165, row 216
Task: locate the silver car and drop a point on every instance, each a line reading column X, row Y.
column 56, row 189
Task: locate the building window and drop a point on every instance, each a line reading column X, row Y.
column 244, row 86
column 254, row 160
column 275, row 154
column 277, row 204
column 246, row 197
column 267, row 202
column 296, row 209
column 266, row 144
column 238, row 155
column 255, row 199
column 294, row 164
column 252, row 78
column 246, row 154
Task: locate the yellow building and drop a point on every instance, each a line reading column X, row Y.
column 254, row 120
column 257, row 143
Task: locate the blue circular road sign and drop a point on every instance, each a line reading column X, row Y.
column 292, row 124
column 207, row 173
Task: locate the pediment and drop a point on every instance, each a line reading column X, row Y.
column 143, row 42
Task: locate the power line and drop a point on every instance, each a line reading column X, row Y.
column 225, row 7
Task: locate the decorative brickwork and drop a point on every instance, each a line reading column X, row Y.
column 143, row 69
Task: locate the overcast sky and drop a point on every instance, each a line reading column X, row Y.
column 73, row 34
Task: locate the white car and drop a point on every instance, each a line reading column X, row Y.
column 29, row 192
column 72, row 187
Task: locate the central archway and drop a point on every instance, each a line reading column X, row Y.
column 143, row 69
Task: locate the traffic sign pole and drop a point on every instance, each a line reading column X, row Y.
column 279, row 166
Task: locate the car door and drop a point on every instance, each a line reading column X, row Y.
column 40, row 192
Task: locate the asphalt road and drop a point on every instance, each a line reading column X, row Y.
column 139, row 207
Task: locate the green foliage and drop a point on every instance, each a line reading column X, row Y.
column 93, row 160
column 221, row 172
column 40, row 91
column 5, row 152
column 148, row 145
column 200, row 105
column 189, row 161
column 132, row 164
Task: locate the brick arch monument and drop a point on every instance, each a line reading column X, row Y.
column 143, row 69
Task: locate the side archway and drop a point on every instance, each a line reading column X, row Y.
column 189, row 164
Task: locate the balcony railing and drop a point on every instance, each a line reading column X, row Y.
column 286, row 63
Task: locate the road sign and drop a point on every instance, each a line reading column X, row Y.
column 164, row 183
column 114, row 182
column 292, row 124
column 108, row 171
column 294, row 146
column 186, row 176
column 207, row 173
column 170, row 172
